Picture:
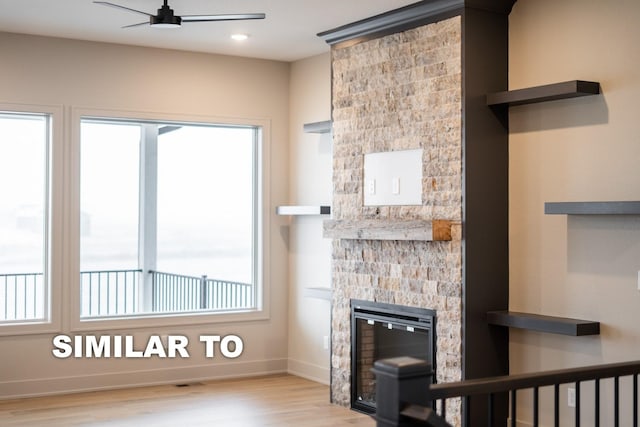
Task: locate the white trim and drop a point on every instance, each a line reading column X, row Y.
column 263, row 293
column 55, row 219
column 148, row 203
column 152, row 319
column 310, row 371
column 140, row 378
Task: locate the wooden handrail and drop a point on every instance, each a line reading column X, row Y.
column 531, row 380
column 405, row 395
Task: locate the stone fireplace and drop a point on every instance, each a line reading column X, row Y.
column 386, row 97
column 421, row 85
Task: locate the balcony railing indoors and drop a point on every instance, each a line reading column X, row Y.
column 122, row 292
column 406, row 396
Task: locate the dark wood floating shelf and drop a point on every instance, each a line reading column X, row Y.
column 592, row 208
column 317, row 127
column 551, row 92
column 540, row 323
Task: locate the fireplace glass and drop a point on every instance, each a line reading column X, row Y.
column 380, row 331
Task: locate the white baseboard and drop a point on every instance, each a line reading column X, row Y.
column 178, row 375
column 309, row 371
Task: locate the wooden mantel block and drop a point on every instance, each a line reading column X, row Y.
column 388, row 229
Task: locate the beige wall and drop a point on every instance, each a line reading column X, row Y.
column 310, row 184
column 37, row 70
column 585, row 149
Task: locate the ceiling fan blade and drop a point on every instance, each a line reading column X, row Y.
column 136, row 25
column 106, row 3
column 227, row 17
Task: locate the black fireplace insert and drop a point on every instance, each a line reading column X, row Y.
column 380, row 331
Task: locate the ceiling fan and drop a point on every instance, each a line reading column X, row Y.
column 166, row 18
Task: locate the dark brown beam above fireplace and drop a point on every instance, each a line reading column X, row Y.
column 408, row 17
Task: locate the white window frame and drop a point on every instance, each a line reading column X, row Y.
column 54, row 223
column 262, row 274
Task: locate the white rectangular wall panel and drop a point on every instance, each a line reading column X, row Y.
column 393, row 178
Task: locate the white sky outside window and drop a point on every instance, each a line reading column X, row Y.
column 205, row 194
column 109, row 196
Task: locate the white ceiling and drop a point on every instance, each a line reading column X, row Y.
column 288, row 33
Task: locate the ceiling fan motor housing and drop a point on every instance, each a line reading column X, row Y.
column 165, row 16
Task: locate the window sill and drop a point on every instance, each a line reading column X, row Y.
column 152, row 320
column 29, row 328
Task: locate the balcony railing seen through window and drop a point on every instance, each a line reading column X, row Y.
column 118, row 293
column 20, row 296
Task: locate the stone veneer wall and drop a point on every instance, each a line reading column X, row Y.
column 399, row 92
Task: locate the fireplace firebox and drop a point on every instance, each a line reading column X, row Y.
column 380, row 331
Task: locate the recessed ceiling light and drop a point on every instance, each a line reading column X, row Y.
column 239, row 37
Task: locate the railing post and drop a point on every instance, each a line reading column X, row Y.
column 154, row 287
column 204, row 294
column 402, row 381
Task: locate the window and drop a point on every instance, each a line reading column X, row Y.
column 169, row 218
column 24, row 217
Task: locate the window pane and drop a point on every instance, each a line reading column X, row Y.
column 24, row 140
column 168, row 213
column 205, row 214
column 205, row 199
column 109, row 217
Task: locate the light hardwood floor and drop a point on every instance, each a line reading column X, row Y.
column 278, row 400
